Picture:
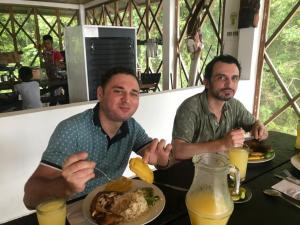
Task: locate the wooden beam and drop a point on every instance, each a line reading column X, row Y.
column 29, row 12
column 283, row 109
column 108, row 14
column 213, row 23
column 154, row 15
column 59, row 29
column 37, row 36
column 24, row 31
column 139, row 15
column 283, row 24
column 258, row 81
column 116, row 10
column 125, row 13
column 130, row 14
column 13, row 30
column 5, row 27
column 280, row 82
column 41, row 4
column 176, row 49
column 186, row 22
column 73, row 17
column 147, row 31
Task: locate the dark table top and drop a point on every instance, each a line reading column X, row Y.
column 261, row 209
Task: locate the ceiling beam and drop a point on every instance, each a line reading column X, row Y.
column 39, row 3
column 94, row 3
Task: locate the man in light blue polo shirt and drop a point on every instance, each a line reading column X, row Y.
column 102, row 137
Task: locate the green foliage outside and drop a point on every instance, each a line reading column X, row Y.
column 209, row 38
column 284, row 54
column 24, row 43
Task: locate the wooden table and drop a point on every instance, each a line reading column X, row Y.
column 260, row 210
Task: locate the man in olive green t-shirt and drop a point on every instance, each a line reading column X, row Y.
column 213, row 121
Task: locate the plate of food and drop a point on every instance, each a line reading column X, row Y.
column 295, row 160
column 259, row 152
column 124, row 202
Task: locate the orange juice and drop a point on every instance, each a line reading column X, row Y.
column 52, row 212
column 206, row 209
column 239, row 157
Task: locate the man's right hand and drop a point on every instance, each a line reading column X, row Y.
column 77, row 171
column 234, row 138
column 38, row 46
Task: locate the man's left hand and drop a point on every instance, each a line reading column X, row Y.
column 259, row 131
column 157, row 153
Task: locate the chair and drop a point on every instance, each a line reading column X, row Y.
column 149, row 82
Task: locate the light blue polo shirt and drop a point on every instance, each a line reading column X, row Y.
column 83, row 132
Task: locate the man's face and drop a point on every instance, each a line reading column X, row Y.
column 224, row 81
column 47, row 45
column 120, row 97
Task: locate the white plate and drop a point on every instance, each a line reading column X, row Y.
column 295, row 160
column 147, row 217
column 262, row 160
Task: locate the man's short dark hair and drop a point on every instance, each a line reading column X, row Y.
column 107, row 76
column 221, row 58
column 47, row 37
column 25, row 73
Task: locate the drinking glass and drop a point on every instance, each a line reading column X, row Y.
column 52, row 212
column 238, row 156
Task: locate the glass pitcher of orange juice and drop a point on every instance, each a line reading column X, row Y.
column 208, row 200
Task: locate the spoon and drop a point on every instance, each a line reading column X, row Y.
column 273, row 192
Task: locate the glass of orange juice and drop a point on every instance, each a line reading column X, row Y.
column 238, row 156
column 52, row 212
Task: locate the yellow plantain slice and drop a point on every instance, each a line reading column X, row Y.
column 141, row 169
column 121, row 184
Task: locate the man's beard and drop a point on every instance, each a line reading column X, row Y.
column 218, row 96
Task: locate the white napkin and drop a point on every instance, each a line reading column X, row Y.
column 75, row 215
column 288, row 188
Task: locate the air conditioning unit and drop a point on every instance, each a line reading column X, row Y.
column 91, row 51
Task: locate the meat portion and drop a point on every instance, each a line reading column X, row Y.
column 111, row 207
column 101, row 208
column 258, row 146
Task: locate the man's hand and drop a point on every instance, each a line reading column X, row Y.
column 77, row 171
column 38, row 46
column 234, row 138
column 157, row 153
column 259, row 131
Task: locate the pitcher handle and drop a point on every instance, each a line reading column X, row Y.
column 235, row 176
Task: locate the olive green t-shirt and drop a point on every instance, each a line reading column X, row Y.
column 195, row 123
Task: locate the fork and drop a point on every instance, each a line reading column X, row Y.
column 103, row 173
column 288, row 173
column 290, row 176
